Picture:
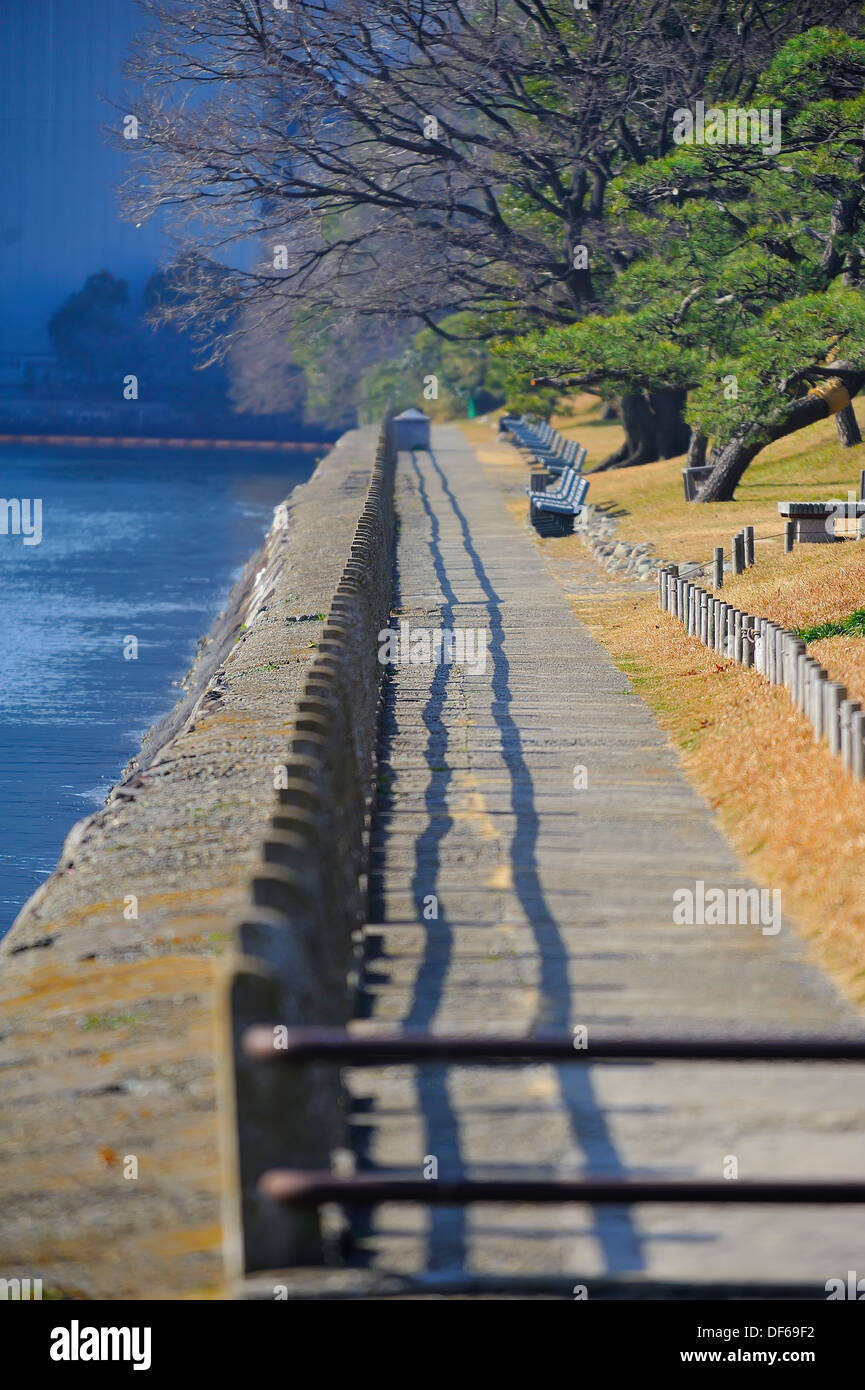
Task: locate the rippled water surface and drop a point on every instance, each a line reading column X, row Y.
column 136, row 544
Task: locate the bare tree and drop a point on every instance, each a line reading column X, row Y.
column 414, row 158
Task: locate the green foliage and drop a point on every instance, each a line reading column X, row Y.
column 749, row 279
column 851, row 626
column 464, row 370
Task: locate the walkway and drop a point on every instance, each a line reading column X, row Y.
column 555, row 909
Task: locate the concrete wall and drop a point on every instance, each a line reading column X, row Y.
column 111, row 977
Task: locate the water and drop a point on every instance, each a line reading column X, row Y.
column 139, row 544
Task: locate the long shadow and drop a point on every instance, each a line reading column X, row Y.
column 447, row 1232
column 615, row 1228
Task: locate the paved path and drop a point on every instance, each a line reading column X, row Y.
column 555, row 909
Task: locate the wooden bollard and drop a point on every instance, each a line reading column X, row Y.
column 848, row 709
column 857, row 750
column 718, row 568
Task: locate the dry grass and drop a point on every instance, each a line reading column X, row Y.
column 650, row 504
column 796, row 821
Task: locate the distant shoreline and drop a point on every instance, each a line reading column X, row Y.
column 150, row 442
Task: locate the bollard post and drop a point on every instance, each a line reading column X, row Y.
column 818, row 677
column 833, row 694
column 789, row 536
column 749, row 546
column 737, row 636
column 848, row 709
column 711, row 609
column 718, row 568
column 801, row 677
column 797, row 649
column 721, row 630
column 704, row 617
column 730, row 641
column 738, row 553
column 748, row 621
column 857, row 740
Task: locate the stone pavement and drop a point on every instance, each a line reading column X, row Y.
column 555, row 909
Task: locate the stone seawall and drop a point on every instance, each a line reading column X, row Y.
column 110, row 1171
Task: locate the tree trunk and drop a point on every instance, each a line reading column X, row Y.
column 696, row 450
column 848, row 427
column 749, row 439
column 654, row 429
column 672, row 434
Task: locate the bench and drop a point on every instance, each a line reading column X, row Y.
column 553, row 512
column 559, row 458
column 576, row 461
column 818, row 523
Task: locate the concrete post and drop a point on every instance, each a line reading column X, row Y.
column 857, row 740
column 833, row 694
column 801, row 677
column 848, row 709
column 738, row 545
column 737, row 636
column 718, row 568
column 748, row 622
column 769, row 652
column 749, row 546
column 818, row 677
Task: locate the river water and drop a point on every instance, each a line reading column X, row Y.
column 142, row 544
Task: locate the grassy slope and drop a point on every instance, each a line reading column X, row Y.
column 817, row 583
